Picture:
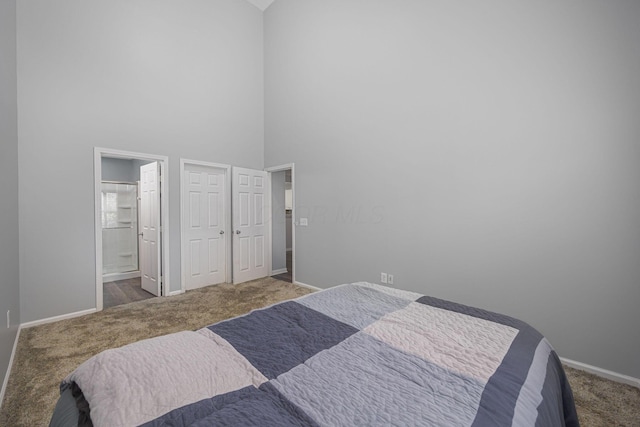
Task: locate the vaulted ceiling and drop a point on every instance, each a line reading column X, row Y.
column 261, row 4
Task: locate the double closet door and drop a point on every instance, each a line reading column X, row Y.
column 224, row 225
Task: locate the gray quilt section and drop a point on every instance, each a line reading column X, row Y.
column 530, row 395
column 364, row 382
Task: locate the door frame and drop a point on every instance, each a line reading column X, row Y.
column 163, row 161
column 227, row 225
column 280, row 168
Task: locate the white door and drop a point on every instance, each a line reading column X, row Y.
column 250, row 243
column 204, row 226
column 150, row 226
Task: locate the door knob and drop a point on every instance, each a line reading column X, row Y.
column 237, row 231
column 221, row 231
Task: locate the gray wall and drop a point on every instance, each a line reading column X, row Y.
column 278, row 236
column 9, row 245
column 181, row 79
column 118, row 170
column 115, row 169
column 485, row 153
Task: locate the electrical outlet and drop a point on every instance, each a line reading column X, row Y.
column 383, row 277
column 390, row 279
column 8, row 319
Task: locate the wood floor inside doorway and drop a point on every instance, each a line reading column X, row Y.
column 288, row 276
column 123, row 292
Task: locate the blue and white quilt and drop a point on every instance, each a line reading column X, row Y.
column 353, row 355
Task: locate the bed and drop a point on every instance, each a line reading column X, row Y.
column 354, row 355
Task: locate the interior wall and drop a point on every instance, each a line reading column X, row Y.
column 118, row 170
column 180, row 79
column 485, row 153
column 9, row 247
column 114, row 169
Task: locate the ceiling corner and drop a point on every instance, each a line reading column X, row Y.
column 261, row 4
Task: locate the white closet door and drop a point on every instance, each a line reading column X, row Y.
column 250, row 210
column 204, row 225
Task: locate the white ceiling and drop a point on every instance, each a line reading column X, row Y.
column 261, row 4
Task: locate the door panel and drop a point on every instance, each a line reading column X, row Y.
column 259, row 251
column 205, row 240
column 258, row 204
column 194, row 255
column 214, row 200
column 249, row 228
column 150, row 225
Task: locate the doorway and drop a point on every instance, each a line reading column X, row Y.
column 121, row 275
column 281, row 179
column 137, row 204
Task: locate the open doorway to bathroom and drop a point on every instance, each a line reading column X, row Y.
column 121, row 234
column 130, row 212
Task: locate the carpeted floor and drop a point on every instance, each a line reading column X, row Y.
column 604, row 403
column 47, row 353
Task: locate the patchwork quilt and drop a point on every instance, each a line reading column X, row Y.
column 353, row 355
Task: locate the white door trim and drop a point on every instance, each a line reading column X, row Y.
column 293, row 215
column 227, row 225
column 98, row 153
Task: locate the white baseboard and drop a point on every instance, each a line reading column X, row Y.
column 279, row 271
column 604, row 373
column 6, row 376
column 304, row 285
column 174, row 293
column 57, row 318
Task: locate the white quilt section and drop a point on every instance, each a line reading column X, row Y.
column 139, row 382
column 465, row 344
